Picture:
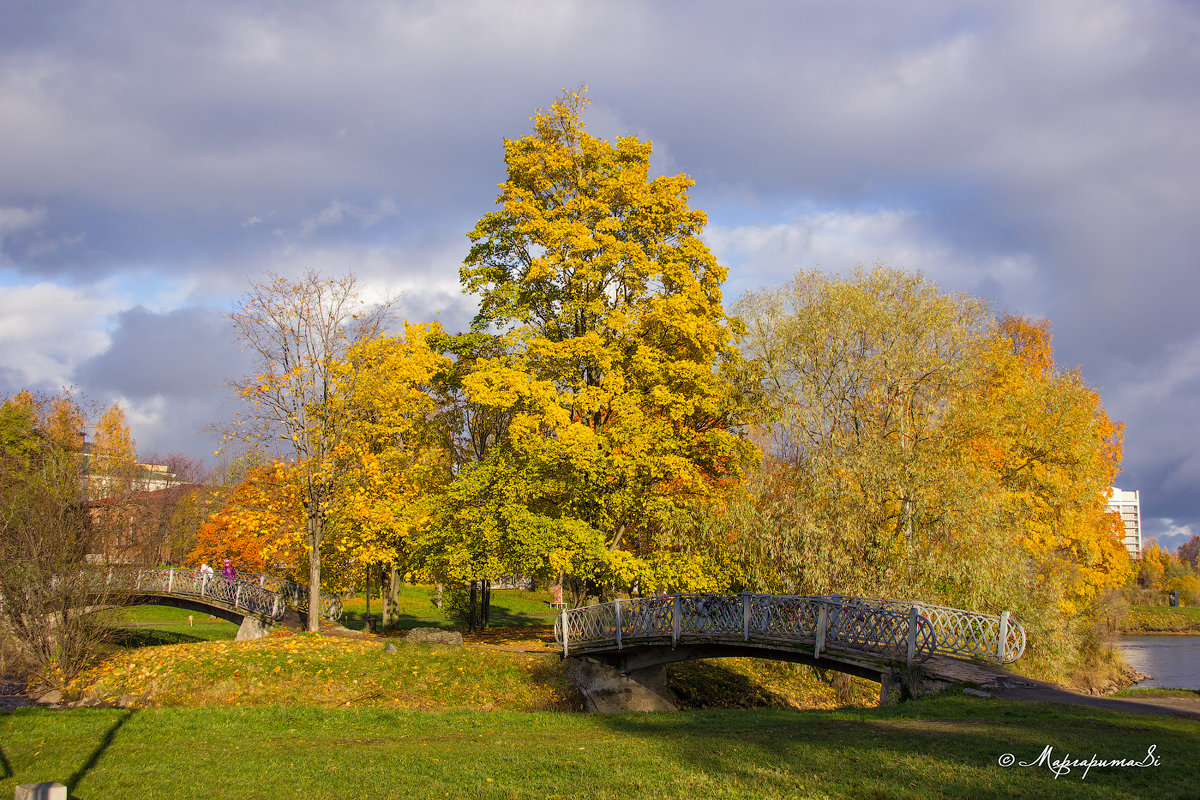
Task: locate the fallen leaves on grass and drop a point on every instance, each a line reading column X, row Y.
column 313, row 670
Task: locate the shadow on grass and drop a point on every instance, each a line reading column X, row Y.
column 97, row 754
column 942, row 748
column 150, row 637
column 707, row 684
column 8, row 770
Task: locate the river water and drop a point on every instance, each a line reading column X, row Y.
column 1174, row 661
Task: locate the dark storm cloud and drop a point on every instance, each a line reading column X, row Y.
column 170, row 372
column 182, row 353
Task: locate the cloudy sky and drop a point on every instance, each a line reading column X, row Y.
column 155, row 157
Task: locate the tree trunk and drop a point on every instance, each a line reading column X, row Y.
column 471, row 608
column 316, row 530
column 393, row 596
column 385, row 610
column 367, row 626
column 485, row 604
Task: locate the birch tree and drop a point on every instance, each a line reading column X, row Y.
column 300, row 332
column 113, row 468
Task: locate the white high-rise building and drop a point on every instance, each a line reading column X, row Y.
column 1130, row 508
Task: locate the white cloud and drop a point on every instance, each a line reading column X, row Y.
column 15, row 219
column 46, row 329
column 336, row 213
column 1166, row 531
column 760, row 255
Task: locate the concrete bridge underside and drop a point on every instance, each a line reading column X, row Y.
column 634, row 678
column 250, row 625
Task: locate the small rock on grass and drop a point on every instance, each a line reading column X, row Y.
column 434, row 636
column 389, row 647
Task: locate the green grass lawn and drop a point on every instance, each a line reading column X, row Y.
column 142, row 626
column 155, row 614
column 305, row 715
column 1162, row 619
column 948, row 747
column 418, row 608
column 1156, row 692
column 516, row 669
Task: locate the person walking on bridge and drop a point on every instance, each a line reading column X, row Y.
column 228, row 572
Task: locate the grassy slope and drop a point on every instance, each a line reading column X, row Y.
column 942, row 747
column 515, row 669
column 315, row 670
column 1162, row 619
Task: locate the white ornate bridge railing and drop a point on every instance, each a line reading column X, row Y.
column 901, row 631
column 297, row 596
column 259, row 594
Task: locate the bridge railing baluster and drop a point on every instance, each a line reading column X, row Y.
column 822, row 629
column 676, row 619
column 746, row 600
column 617, row 626
column 912, row 636
column 566, row 632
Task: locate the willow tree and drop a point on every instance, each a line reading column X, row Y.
column 866, row 490
column 917, row 447
column 297, row 402
column 611, row 337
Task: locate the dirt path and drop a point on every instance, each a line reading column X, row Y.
column 1008, row 685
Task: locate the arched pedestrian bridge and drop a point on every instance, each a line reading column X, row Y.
column 260, row 598
column 875, row 639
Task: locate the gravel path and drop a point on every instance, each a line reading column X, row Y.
column 1008, row 685
column 1046, row 693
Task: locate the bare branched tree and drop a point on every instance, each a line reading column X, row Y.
column 300, row 331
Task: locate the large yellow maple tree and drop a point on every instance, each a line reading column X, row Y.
column 611, row 337
column 1054, row 454
column 394, row 455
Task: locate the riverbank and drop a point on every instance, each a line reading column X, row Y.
column 1143, row 620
